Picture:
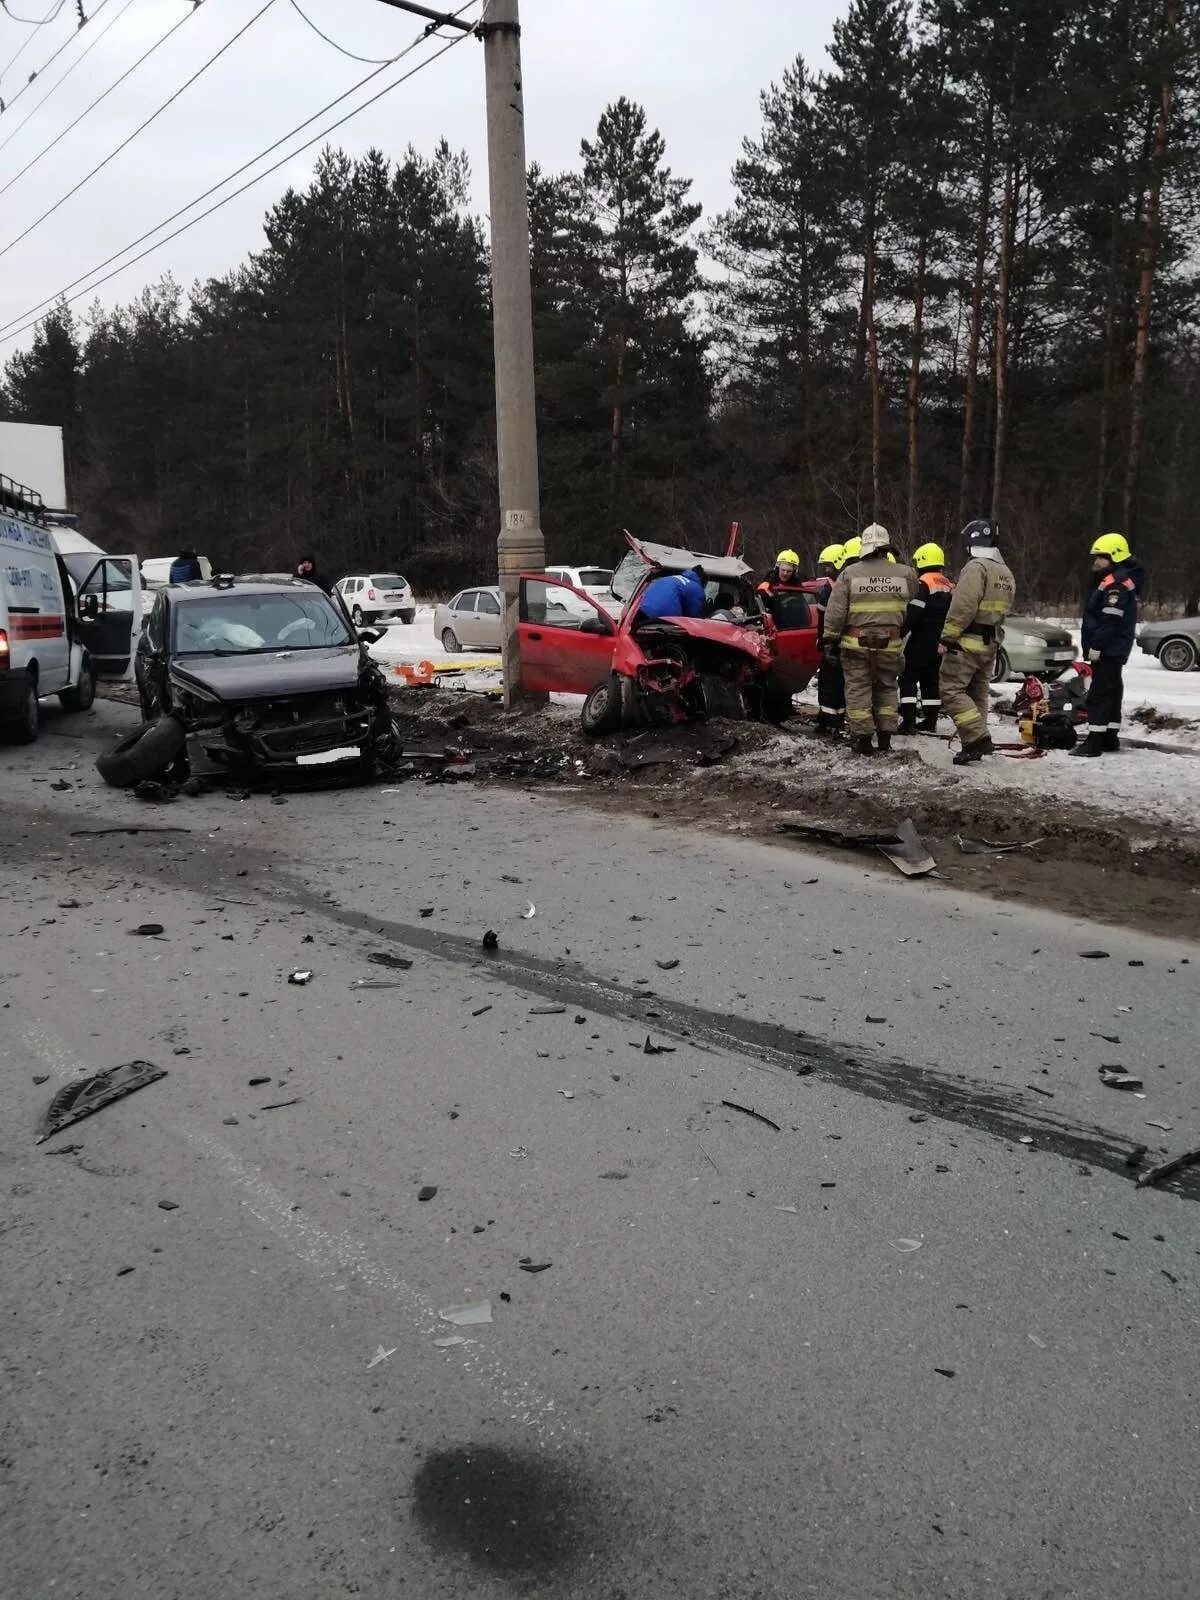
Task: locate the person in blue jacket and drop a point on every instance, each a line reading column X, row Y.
column 1109, row 625
column 675, row 594
column 186, row 567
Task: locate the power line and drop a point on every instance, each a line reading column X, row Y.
column 142, row 126
column 129, row 71
column 367, row 61
column 33, row 22
column 7, row 338
column 77, row 62
column 33, row 25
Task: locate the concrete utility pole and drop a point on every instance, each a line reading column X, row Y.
column 521, row 546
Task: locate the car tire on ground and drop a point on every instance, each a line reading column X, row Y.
column 450, row 641
column 1002, row 666
column 81, row 697
column 356, row 616
column 407, row 617
column 23, row 727
column 602, row 710
column 1177, row 654
column 145, row 753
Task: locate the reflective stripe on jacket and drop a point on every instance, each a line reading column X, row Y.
column 983, row 597
column 1110, row 612
column 869, row 600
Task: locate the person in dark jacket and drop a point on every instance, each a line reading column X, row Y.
column 675, row 594
column 1109, row 625
column 186, row 567
column 831, row 682
column 306, row 568
column 922, row 634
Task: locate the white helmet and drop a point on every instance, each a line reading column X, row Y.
column 874, row 538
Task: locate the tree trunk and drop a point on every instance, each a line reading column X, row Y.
column 914, row 379
column 868, row 313
column 1108, row 361
column 1141, row 347
column 982, row 232
column 1000, row 360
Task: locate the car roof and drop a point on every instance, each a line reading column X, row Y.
column 672, row 559
column 256, row 583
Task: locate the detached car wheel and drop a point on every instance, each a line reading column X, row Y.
column 450, row 641
column 1178, row 655
column 1002, row 666
column 23, row 727
column 602, row 709
column 146, row 753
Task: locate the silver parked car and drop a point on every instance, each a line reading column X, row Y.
column 1176, row 643
column 1028, row 645
column 471, row 620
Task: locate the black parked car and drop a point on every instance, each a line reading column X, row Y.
column 259, row 673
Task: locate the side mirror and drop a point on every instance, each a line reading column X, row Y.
column 596, row 624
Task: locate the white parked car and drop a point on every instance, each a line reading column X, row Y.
column 595, row 581
column 378, row 597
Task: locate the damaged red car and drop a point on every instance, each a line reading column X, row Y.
column 745, row 657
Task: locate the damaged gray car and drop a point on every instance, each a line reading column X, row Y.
column 253, row 676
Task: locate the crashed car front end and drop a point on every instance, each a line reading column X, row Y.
column 685, row 669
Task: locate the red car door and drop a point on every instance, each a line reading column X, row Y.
column 798, row 654
column 564, row 649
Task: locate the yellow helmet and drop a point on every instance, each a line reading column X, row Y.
column 1113, row 545
column 929, row 555
column 788, row 558
column 833, row 555
column 852, row 549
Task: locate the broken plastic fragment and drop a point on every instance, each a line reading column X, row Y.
column 381, row 1355
column 302, row 977
column 649, row 1049
column 468, row 1316
column 427, row 1192
column 667, row 966
column 528, row 1264
column 529, row 911
column 1093, row 955
column 1119, row 1080
column 746, row 1112
column 907, row 1246
column 77, row 1100
column 449, row 1341
column 149, row 930
column 377, row 983
column 546, row 1011
column 384, row 958
column 567, row 1094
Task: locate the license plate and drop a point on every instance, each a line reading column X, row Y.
column 394, row 594
column 323, row 758
column 1062, row 655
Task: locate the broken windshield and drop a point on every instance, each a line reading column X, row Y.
column 243, row 624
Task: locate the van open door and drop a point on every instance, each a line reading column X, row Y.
column 108, row 615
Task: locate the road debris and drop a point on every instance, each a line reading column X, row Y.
column 300, row 978
column 614, row 1175
column 1112, row 1078
column 425, row 911
column 547, row 1011
column 376, row 983
column 168, row 1205
column 904, row 847
column 1163, row 1127
column 528, row 1264
column 100, row 833
column 479, row 1011
column 747, row 1112
column 491, row 940
column 649, row 1049
column 427, row 1192
column 986, row 847
column 667, row 966
column 278, row 1105
column 381, row 1355
column 944, row 1372
column 80, row 1099
column 1165, row 1169
column 1135, row 1157
column 147, row 930
column 1093, row 955
column 520, row 1153
column 1037, row 1089
column 450, row 1341
column 471, row 1316
column 384, row 958
column 907, row 1246
column 529, row 911
column 567, row 1094
column 257, row 1083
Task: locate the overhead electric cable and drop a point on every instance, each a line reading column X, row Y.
column 33, row 25
column 141, row 127
column 57, row 84
column 367, row 61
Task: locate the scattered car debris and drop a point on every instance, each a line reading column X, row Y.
column 491, row 940
column 425, row 911
column 1093, row 955
column 667, row 966
column 168, row 1205
column 1135, row 1157
column 468, row 1316
column 1109, row 1038
column 381, row 1355
column 1166, row 1169
column 944, row 1372
column 66, row 1150
column 528, row 1264
column 68, row 905
column 1037, row 1089
column 614, row 1175
column 427, row 1192
column 747, row 1112
column 60, row 785
column 1113, row 1079
column 479, row 1011
column 229, row 1122
column 529, row 911
column 904, row 847
column 256, row 1083
column 376, row 983
column 567, row 1094
column 547, row 1011
column 41, row 1077
column 278, row 1105
column 80, row 1099
column 907, row 1246
column 100, row 833
column 876, row 1020
column 301, row 978
column 986, row 847
column 384, row 958
column 649, row 1049
column 519, row 1154
column 147, row 930
column 1163, row 1127
column 450, row 1341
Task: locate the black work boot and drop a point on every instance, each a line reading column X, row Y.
column 884, row 741
column 1112, row 742
column 929, row 720
column 908, row 720
column 974, row 752
column 861, row 745
column 1093, row 745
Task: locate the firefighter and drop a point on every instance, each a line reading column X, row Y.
column 783, row 574
column 831, row 683
column 1109, row 624
column 922, row 631
column 970, row 636
column 863, row 624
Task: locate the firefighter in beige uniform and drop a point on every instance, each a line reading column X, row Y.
column 983, row 598
column 863, row 622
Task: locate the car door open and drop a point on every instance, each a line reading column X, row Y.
column 108, row 613
column 559, row 653
column 797, row 652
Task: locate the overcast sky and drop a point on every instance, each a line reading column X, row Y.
column 696, row 65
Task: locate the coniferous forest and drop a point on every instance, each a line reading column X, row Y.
column 959, row 274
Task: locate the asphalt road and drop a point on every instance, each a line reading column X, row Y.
column 736, row 1378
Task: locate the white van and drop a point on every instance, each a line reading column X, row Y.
column 60, row 629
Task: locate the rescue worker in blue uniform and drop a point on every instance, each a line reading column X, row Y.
column 1109, row 626
column 675, row 594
